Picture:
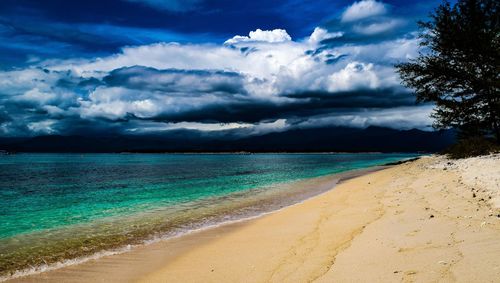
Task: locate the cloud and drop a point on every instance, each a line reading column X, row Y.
column 176, row 82
column 248, row 86
column 320, row 34
column 362, row 10
column 378, row 27
column 240, row 128
column 406, row 117
column 170, row 5
column 276, row 35
column 42, row 127
column 355, row 75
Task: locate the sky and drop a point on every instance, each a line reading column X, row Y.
column 215, row 66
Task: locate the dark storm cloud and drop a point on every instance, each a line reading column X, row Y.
column 304, row 105
column 173, row 81
column 4, row 116
column 379, row 98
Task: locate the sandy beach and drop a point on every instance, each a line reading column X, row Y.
column 430, row 220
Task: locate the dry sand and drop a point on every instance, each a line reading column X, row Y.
column 431, row 220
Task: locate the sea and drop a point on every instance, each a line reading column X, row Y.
column 59, row 209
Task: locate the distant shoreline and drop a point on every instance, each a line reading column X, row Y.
column 322, row 139
column 215, row 152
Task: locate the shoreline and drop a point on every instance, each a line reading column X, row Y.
column 332, row 180
column 427, row 220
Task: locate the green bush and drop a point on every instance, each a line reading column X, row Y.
column 470, row 147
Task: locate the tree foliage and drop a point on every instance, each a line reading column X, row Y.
column 458, row 67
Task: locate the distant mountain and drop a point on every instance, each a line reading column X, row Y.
column 331, row 139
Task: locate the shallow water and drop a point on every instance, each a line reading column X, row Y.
column 61, row 206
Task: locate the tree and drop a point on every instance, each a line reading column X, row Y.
column 458, row 67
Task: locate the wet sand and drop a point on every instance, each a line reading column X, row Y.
column 424, row 221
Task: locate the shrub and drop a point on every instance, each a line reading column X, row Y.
column 470, row 147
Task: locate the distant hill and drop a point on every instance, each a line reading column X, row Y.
column 331, row 139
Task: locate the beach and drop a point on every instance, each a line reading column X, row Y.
column 430, row 220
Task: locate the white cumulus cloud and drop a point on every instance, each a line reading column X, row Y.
column 379, row 27
column 276, row 35
column 363, row 9
column 320, row 34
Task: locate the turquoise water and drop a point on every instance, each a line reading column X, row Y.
column 58, row 206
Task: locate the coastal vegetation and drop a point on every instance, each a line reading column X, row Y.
column 458, row 69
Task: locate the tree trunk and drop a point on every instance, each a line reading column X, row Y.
column 497, row 131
